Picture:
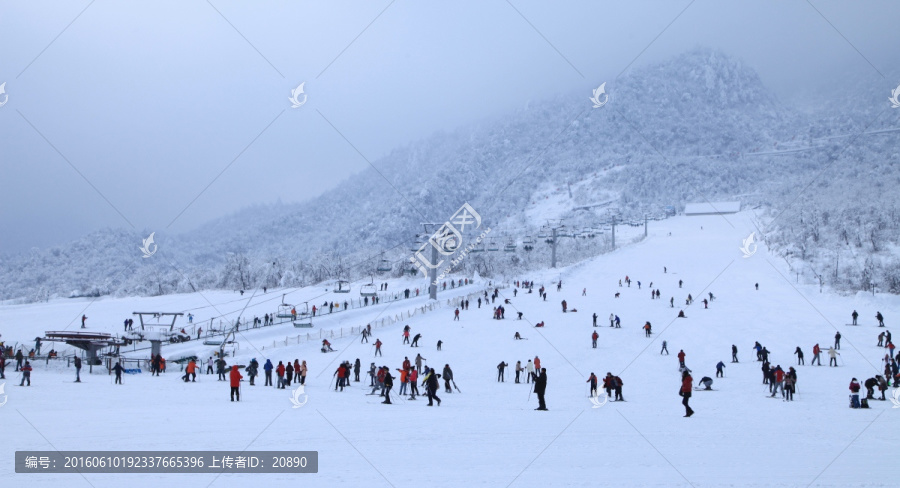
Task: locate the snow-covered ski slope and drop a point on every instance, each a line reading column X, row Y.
column 490, row 435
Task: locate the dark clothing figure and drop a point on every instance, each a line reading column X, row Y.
column 540, row 387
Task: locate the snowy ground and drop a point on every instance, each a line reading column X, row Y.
column 489, row 435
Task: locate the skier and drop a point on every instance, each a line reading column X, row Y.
column 779, row 381
column 854, row 393
column 707, row 382
column 665, row 347
column 77, row 369
column 799, row 354
column 790, row 384
column 365, row 336
column 500, row 369
column 647, row 327
column 220, row 368
column 681, row 358
column 617, row 384
column 303, row 371
column 268, row 367
column 413, row 388
column 832, row 356
column 882, row 385
column 540, row 387
column 280, row 372
column 537, row 364
column 406, row 334
column 190, row 371
column 253, row 371
column 837, row 340
column 870, row 388
column 388, row 384
column 456, row 314
column 404, row 380
column 415, row 342
column 720, row 367
column 564, row 306
column 288, row 374
column 356, row 368
column 235, row 383
column 378, row 347
column 439, row 342
column 595, row 319
column 593, row 381
column 26, row 374
column 448, row 377
column 519, row 370
column 687, row 384
column 431, row 385
column 594, row 337
column 19, row 358
column 326, row 346
column 734, row 358
column 83, row 318
column 854, row 315
column 612, row 320
column 816, row 352
column 672, row 302
column 529, row 371
column 209, row 365
column 880, row 319
column 118, row 369
column 618, row 322
column 419, row 360
column 680, row 283
column 608, row 384
column 881, row 339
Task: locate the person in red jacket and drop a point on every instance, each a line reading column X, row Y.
column 687, row 384
column 537, row 363
column 378, row 347
column 854, row 393
column 779, row 381
column 594, row 338
column 236, row 382
column 280, row 372
column 413, row 386
column 681, row 358
column 816, row 352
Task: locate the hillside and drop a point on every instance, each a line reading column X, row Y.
column 488, row 433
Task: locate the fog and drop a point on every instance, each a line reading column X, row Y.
column 160, row 116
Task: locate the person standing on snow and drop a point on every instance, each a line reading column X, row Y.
column 612, row 319
column 799, row 354
column 540, row 388
column 687, row 384
column 413, row 383
column 837, row 340
column 280, row 372
column 236, row 383
column 779, row 381
column 594, row 338
column 26, row 374
column 593, row 381
column 529, row 371
column 77, row 369
column 879, row 318
column 118, row 369
column 356, row 367
column 832, row 357
column 253, row 371
column 500, row 368
column 378, row 347
column 415, row 342
column 388, row 384
column 419, row 360
column 816, row 352
column 854, row 393
column 431, row 385
column 720, row 370
column 519, row 370
column 595, row 319
column 681, row 358
column 665, row 347
column 854, row 315
column 734, row 358
column 448, row 377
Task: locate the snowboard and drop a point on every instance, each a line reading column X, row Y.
column 704, row 389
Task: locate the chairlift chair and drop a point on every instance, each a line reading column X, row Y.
column 368, row 290
column 510, row 245
column 478, row 247
column 493, row 246
column 304, row 317
column 284, row 310
column 342, row 287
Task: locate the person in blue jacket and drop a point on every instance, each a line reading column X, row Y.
column 268, row 369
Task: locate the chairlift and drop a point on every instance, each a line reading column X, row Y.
column 493, row 246
column 342, row 287
column 284, row 310
column 528, row 241
column 510, row 245
column 304, row 317
column 420, row 241
column 478, row 247
column 368, row 290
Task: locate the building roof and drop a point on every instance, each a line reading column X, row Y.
column 712, row 208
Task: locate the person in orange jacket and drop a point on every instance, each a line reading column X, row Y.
column 404, row 372
column 236, row 382
column 190, row 372
column 687, row 384
column 816, row 352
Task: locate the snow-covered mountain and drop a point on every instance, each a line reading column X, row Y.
column 699, row 126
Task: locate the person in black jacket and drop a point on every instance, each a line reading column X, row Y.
column 77, row 369
column 356, row 368
column 388, row 384
column 870, row 383
column 540, row 387
column 431, row 386
column 448, row 376
column 118, row 369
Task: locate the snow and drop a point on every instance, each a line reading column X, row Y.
column 490, row 435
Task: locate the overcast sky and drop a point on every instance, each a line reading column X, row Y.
column 124, row 113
